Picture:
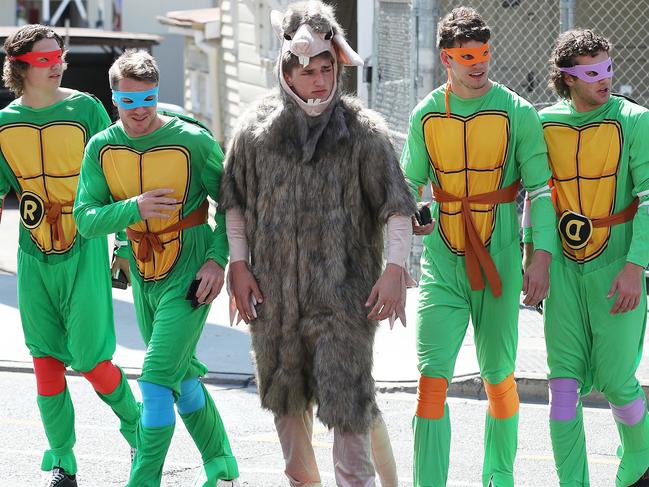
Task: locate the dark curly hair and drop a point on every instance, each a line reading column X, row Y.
column 21, row 42
column 461, row 25
column 569, row 45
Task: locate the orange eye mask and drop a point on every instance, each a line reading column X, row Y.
column 468, row 56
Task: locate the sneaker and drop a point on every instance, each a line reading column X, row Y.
column 228, row 483
column 59, row 478
column 642, row 481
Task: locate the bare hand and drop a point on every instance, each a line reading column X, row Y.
column 154, row 203
column 628, row 285
column 385, row 294
column 420, row 230
column 244, row 288
column 528, row 254
column 121, row 264
column 212, row 277
column 536, row 280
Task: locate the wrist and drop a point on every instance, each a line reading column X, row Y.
column 634, row 268
column 239, row 264
column 391, row 267
column 543, row 256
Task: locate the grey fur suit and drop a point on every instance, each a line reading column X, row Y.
column 315, row 193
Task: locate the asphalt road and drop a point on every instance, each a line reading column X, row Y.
column 103, row 455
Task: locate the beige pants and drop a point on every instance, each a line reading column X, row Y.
column 351, row 454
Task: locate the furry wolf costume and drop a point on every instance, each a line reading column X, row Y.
column 315, row 191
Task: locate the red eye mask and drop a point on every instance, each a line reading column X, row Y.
column 35, row 58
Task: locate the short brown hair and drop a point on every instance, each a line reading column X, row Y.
column 290, row 61
column 134, row 64
column 21, row 42
column 463, row 24
column 569, row 45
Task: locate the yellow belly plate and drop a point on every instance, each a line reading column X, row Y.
column 130, row 173
column 584, row 162
column 46, row 161
column 468, row 155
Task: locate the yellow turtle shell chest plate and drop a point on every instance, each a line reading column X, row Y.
column 130, row 173
column 46, row 160
column 468, row 155
column 584, row 162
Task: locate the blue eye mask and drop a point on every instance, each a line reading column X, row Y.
column 128, row 100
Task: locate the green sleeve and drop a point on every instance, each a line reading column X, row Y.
column 95, row 213
column 639, row 166
column 532, row 159
column 5, row 185
column 211, row 181
column 414, row 158
column 121, row 243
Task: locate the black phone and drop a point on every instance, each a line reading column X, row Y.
column 120, row 281
column 191, row 293
column 423, row 215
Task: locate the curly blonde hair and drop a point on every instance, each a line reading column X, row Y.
column 21, row 42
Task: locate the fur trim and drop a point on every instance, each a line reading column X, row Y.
column 315, row 193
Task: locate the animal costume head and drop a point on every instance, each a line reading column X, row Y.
column 306, row 30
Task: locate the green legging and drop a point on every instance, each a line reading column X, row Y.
column 171, row 328
column 590, row 347
column 446, row 303
column 67, row 317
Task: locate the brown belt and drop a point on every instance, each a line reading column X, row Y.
column 54, row 219
column 150, row 241
column 577, row 229
column 621, row 216
column 475, row 252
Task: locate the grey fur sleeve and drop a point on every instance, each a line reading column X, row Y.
column 382, row 180
column 233, row 184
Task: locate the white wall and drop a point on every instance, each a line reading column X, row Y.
column 140, row 16
column 365, row 42
column 8, row 12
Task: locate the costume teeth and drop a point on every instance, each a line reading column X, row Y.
column 304, row 60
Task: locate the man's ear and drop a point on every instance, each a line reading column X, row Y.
column 445, row 59
column 288, row 78
column 568, row 79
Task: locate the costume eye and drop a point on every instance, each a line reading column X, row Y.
column 329, row 35
column 288, row 37
column 468, row 57
column 608, row 70
column 592, row 74
column 127, row 101
column 150, row 98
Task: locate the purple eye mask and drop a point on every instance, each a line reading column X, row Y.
column 591, row 73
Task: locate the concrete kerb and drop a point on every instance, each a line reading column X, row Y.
column 532, row 388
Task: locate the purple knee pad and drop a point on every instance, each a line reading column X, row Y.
column 631, row 413
column 564, row 396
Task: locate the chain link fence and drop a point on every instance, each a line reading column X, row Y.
column 406, row 66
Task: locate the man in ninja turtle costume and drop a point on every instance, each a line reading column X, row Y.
column 64, row 285
column 311, row 179
column 596, row 311
column 151, row 174
column 474, row 140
